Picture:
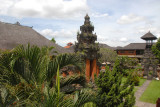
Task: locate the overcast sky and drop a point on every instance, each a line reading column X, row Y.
column 116, row 22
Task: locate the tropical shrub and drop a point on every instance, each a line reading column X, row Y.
column 27, row 71
column 126, row 64
column 156, row 49
column 135, row 79
column 111, row 92
column 134, row 75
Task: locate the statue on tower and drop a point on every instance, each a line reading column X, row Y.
column 88, row 49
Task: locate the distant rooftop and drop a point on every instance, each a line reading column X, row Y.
column 69, row 45
column 133, row 46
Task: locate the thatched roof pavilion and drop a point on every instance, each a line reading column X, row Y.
column 12, row 35
column 149, row 36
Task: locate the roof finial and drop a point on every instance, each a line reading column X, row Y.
column 87, row 18
column 17, row 23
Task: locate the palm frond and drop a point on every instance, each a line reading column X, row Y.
column 82, row 97
column 63, row 60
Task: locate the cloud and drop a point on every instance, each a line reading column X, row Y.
column 97, row 15
column 44, row 8
column 64, row 34
column 131, row 18
column 48, row 33
column 123, row 39
column 145, row 29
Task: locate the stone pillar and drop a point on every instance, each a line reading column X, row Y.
column 94, row 68
column 146, row 70
column 88, row 70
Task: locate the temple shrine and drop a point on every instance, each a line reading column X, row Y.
column 88, row 49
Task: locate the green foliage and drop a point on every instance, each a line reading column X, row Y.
column 108, row 55
column 53, row 40
column 25, row 72
column 111, row 91
column 82, row 97
column 68, row 84
column 63, row 60
column 134, row 75
column 156, row 49
column 135, row 78
column 126, row 64
column 53, row 97
column 90, row 104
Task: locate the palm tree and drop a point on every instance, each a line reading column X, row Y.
column 28, row 68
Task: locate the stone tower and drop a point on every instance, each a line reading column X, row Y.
column 149, row 60
column 88, row 49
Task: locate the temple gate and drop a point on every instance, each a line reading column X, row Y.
column 88, row 49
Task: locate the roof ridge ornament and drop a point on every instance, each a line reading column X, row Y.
column 17, row 23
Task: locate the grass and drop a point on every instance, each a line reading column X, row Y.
column 152, row 92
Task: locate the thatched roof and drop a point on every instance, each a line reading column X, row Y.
column 101, row 45
column 14, row 34
column 149, row 36
column 133, row 46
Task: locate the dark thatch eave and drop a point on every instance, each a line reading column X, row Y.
column 149, row 36
column 15, row 34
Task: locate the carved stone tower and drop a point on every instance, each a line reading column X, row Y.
column 88, row 49
column 149, row 60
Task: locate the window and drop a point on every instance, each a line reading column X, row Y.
column 130, row 51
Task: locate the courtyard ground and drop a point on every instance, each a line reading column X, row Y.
column 152, row 92
column 138, row 94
